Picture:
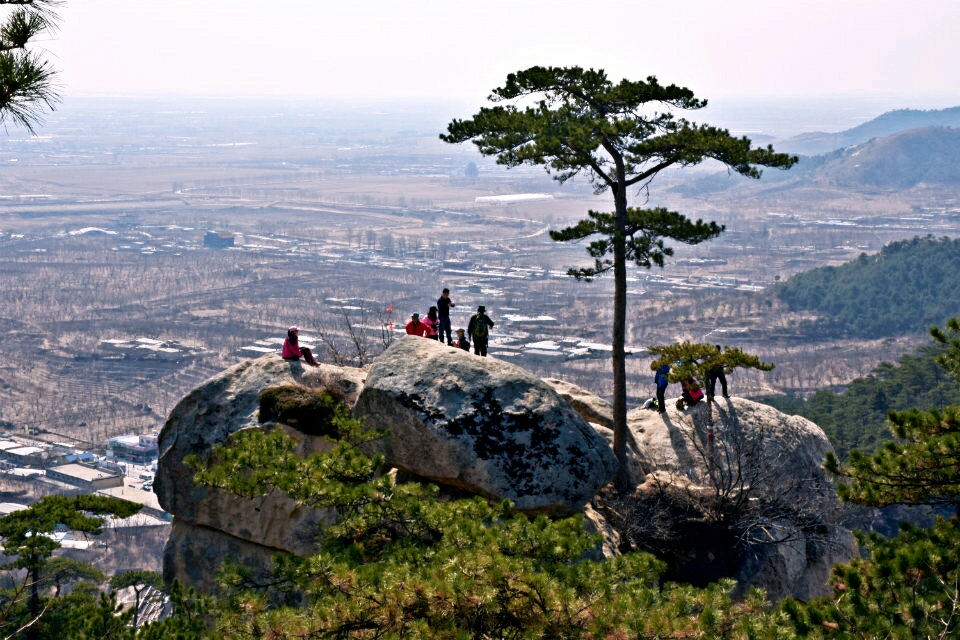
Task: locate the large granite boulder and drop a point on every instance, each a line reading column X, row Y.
column 687, row 458
column 207, row 416
column 482, row 425
column 765, row 468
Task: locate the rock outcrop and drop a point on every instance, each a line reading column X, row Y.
column 484, row 426
column 476, row 424
column 760, row 465
column 212, row 524
column 487, row 427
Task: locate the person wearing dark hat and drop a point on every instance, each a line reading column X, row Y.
column 479, row 330
column 417, row 328
column 292, row 350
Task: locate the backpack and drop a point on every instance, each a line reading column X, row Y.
column 480, row 328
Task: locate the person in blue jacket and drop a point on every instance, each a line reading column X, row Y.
column 662, row 379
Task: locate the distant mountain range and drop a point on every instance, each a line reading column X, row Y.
column 898, row 160
column 812, row 144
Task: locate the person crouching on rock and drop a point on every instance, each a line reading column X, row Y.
column 417, row 328
column 461, row 342
column 292, row 350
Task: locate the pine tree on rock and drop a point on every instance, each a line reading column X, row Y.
column 694, row 360
column 576, row 121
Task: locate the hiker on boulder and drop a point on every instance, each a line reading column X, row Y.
column 662, row 378
column 417, row 328
column 479, row 330
column 691, row 394
column 444, row 303
column 293, row 351
column 433, row 322
column 461, row 342
column 715, row 373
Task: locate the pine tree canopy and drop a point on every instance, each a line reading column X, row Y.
column 921, row 465
column 577, row 121
column 694, row 360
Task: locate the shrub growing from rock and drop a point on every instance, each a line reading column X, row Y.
column 310, row 411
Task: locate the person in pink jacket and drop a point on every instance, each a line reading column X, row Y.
column 433, row 322
column 292, row 349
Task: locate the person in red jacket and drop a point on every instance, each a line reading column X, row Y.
column 417, row 328
column 292, row 350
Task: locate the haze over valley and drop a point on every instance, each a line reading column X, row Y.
column 111, row 298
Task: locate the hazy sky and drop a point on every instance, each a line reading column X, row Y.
column 462, row 49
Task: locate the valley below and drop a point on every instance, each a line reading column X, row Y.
column 113, row 307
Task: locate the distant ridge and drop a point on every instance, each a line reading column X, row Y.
column 811, row 144
column 925, row 156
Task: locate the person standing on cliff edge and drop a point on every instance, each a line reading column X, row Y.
column 444, row 303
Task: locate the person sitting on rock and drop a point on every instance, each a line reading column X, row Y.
column 417, row 328
column 690, row 395
column 461, row 341
column 293, row 351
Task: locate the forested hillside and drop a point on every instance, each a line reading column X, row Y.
column 856, row 418
column 905, row 289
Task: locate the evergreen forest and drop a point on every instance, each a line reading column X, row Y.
column 856, row 417
column 907, row 288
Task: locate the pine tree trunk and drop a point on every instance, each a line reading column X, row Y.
column 620, row 433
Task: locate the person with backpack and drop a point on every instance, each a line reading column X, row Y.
column 691, row 394
column 479, row 330
column 662, row 378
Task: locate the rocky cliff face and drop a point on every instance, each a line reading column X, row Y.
column 487, row 427
column 210, row 524
column 750, row 472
